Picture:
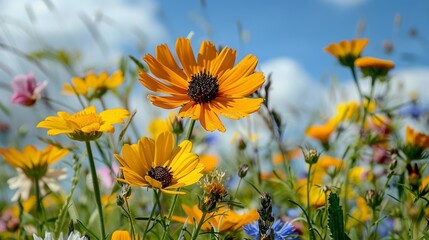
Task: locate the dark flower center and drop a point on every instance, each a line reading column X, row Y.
column 162, row 175
column 203, row 87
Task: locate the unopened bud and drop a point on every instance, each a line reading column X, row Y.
column 311, row 156
column 373, row 198
column 242, row 172
column 177, row 125
column 241, row 144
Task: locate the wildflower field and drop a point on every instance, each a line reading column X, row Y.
column 189, row 139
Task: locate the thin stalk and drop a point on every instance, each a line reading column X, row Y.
column 308, row 191
column 365, row 108
column 149, row 220
column 39, row 206
column 352, row 68
column 200, row 224
column 133, row 231
column 190, row 129
column 96, row 188
column 236, row 190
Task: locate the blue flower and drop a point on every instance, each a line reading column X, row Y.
column 414, row 110
column 281, row 230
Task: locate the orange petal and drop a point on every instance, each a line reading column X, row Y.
column 186, row 56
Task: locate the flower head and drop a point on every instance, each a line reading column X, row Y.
column 157, row 164
column 31, row 161
column 374, row 67
column 282, row 230
column 347, row 51
column 322, row 132
column 93, row 85
column 121, row 235
column 205, row 87
column 85, row 125
column 223, row 221
column 32, row 165
column 414, row 138
column 75, row 235
column 25, row 90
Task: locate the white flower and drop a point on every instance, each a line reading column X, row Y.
column 25, row 184
column 73, row 236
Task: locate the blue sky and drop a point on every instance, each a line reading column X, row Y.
column 301, row 29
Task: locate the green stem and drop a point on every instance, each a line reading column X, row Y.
column 352, row 68
column 149, row 220
column 96, row 188
column 308, row 190
column 133, row 231
column 200, row 224
column 236, row 190
column 190, row 129
column 365, row 108
column 39, row 207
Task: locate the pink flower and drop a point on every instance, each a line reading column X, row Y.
column 25, row 90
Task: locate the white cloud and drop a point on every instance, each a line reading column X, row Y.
column 345, row 3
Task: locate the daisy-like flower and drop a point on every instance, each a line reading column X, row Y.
column 374, row 67
column 94, row 86
column 25, row 90
column 415, row 138
column 85, row 125
column 158, row 165
column 32, row 165
column 282, row 230
column 347, row 51
column 75, row 235
column 205, row 87
column 223, row 221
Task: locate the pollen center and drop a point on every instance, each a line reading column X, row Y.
column 162, row 175
column 203, row 87
column 85, row 119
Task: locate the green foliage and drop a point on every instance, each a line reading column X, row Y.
column 335, row 218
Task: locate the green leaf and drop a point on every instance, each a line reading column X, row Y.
column 138, row 63
column 335, row 218
column 91, row 234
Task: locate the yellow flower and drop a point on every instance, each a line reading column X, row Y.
column 347, row 51
column 157, row 164
column 85, row 125
column 209, row 161
column 317, row 196
column 322, row 132
column 414, row 138
column 374, row 67
column 121, row 235
column 327, row 162
column 223, row 220
column 361, row 214
column 205, row 87
column 347, row 111
column 32, row 160
column 94, row 86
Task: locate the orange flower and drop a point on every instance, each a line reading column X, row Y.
column 223, row 220
column 206, row 87
column 322, row 132
column 347, row 51
column 415, row 138
column 209, row 161
column 374, row 67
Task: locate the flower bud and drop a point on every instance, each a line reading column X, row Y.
column 311, row 156
column 242, row 172
column 373, row 198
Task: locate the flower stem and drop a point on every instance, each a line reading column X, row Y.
column 150, row 218
column 39, row 206
column 308, row 191
column 200, row 224
column 190, row 129
column 352, row 68
column 133, row 231
column 96, row 188
column 236, row 190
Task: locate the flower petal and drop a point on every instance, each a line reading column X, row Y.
column 186, row 56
